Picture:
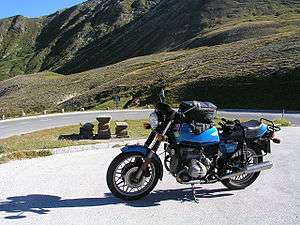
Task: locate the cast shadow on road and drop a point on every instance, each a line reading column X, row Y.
column 41, row 204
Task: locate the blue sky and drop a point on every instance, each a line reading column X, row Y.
column 33, row 8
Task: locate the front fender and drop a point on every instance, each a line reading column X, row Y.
column 144, row 150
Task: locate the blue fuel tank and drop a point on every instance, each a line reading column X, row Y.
column 208, row 137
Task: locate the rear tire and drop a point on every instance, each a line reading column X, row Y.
column 239, row 182
column 122, row 194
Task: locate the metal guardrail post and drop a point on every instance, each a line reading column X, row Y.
column 282, row 115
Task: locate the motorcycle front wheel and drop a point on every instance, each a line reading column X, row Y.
column 121, row 180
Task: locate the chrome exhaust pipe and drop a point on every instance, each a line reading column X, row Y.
column 250, row 169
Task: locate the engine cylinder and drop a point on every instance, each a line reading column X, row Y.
column 197, row 169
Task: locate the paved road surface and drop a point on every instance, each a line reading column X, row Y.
column 25, row 125
column 71, row 189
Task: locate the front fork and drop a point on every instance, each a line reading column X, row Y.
column 154, row 145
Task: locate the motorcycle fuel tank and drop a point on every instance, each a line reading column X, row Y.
column 208, row 137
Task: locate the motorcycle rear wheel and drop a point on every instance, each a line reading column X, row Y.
column 245, row 180
column 121, row 171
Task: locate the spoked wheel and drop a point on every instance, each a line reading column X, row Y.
column 244, row 180
column 121, row 180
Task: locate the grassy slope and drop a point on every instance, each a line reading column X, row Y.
column 103, row 32
column 253, row 71
column 38, row 143
column 31, row 45
column 17, row 40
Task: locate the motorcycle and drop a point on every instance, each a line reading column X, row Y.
column 195, row 151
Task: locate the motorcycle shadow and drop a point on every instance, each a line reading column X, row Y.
column 41, row 204
column 181, row 195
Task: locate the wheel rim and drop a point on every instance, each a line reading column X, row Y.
column 251, row 159
column 122, row 177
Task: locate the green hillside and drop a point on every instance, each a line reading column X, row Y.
column 256, row 72
column 102, row 32
column 237, row 54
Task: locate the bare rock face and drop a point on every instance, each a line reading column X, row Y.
column 18, row 25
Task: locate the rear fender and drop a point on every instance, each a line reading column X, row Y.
column 144, row 150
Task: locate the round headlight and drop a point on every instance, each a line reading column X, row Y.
column 153, row 120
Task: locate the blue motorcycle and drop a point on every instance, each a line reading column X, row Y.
column 195, row 151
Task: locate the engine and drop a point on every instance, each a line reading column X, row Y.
column 189, row 163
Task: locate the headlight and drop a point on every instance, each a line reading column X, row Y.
column 153, row 120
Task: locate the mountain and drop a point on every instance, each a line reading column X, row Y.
column 235, row 53
column 50, row 42
column 102, row 32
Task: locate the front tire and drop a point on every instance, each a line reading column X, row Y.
column 245, row 180
column 121, row 171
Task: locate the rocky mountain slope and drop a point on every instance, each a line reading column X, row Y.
column 102, row 32
column 235, row 53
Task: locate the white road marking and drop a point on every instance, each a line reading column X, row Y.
column 25, row 122
column 15, row 129
column 45, row 120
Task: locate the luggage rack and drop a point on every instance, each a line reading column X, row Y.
column 271, row 126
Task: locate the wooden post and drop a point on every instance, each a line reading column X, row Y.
column 23, row 113
column 3, row 117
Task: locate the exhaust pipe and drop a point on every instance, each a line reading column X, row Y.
column 250, row 169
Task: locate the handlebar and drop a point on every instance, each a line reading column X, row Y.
column 271, row 125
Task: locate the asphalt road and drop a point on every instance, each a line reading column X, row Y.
column 30, row 124
column 71, row 189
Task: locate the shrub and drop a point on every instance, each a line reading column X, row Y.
column 2, row 149
column 282, row 122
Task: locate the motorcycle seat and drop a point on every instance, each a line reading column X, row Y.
column 252, row 128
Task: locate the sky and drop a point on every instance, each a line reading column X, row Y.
column 33, row 8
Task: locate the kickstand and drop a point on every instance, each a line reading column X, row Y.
column 194, row 194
